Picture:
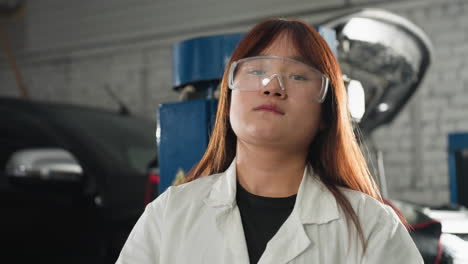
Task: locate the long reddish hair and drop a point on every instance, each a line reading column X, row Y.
column 334, row 153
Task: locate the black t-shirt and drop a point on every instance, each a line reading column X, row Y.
column 261, row 219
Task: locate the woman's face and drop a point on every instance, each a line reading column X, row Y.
column 272, row 116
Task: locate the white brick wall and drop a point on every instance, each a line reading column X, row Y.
column 439, row 107
column 141, row 78
column 414, row 145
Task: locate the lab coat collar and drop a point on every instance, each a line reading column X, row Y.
column 315, row 204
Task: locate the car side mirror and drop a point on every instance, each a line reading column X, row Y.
column 43, row 166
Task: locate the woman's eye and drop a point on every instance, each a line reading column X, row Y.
column 257, row 72
column 298, row 77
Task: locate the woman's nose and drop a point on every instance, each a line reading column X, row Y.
column 273, row 86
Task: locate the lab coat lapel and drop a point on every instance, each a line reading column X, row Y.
column 290, row 241
column 230, row 225
column 314, row 205
column 223, row 198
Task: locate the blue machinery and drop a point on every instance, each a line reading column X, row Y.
column 458, row 168
column 184, row 127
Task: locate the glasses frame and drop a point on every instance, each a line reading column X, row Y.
column 325, row 78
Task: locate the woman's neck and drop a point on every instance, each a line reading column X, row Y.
column 268, row 171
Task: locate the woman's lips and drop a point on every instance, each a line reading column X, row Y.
column 269, row 108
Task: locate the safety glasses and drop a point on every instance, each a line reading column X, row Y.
column 292, row 76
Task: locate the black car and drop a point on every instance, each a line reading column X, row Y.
column 72, row 181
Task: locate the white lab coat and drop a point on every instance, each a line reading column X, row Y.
column 199, row 222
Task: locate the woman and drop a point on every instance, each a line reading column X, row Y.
column 283, row 179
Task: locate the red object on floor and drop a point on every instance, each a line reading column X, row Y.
column 153, row 179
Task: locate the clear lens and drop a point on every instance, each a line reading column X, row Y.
column 297, row 78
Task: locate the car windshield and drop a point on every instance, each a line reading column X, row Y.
column 128, row 139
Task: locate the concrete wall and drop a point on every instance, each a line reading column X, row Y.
column 68, row 52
